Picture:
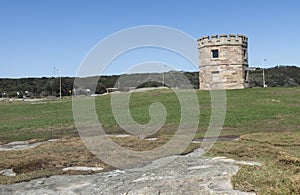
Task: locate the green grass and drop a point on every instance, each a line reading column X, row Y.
column 35, row 120
column 248, row 111
column 266, row 119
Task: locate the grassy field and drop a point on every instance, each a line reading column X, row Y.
column 266, row 119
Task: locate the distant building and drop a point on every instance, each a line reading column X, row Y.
column 111, row 89
column 223, row 62
column 252, row 68
column 81, row 91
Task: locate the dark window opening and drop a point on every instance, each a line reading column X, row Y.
column 214, row 53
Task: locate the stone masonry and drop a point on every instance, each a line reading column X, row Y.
column 223, row 62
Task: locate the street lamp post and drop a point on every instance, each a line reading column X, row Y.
column 59, row 72
column 59, row 80
column 59, row 86
column 264, row 81
column 163, row 76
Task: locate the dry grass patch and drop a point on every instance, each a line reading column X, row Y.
column 277, row 151
column 51, row 157
column 136, row 144
column 47, row 159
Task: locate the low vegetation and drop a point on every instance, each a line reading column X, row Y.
column 266, row 120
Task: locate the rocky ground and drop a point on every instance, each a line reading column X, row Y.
column 186, row 174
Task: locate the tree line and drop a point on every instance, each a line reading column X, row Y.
column 279, row 76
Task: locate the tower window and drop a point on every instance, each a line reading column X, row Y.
column 215, row 76
column 214, row 53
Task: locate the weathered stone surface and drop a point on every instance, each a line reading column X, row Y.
column 22, row 145
column 188, row 174
column 83, row 168
column 8, row 173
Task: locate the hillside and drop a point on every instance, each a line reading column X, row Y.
column 279, row 76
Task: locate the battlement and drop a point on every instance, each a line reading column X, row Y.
column 217, row 40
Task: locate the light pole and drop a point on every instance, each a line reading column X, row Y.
column 59, row 84
column 59, row 79
column 264, row 81
column 163, row 76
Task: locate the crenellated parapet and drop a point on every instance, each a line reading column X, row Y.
column 223, row 39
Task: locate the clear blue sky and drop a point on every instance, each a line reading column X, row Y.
column 37, row 35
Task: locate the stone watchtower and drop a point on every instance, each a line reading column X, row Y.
column 223, row 61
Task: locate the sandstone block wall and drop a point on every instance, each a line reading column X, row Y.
column 230, row 68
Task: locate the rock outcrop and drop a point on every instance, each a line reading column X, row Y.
column 186, row 174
